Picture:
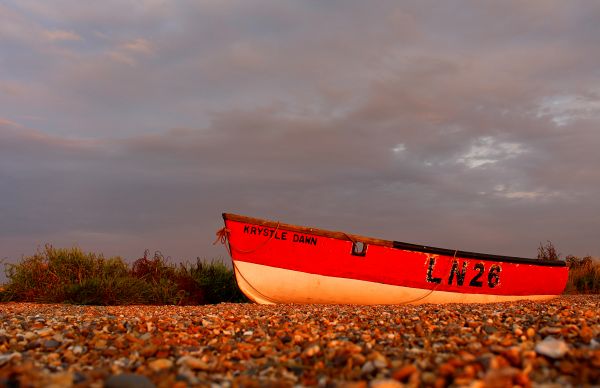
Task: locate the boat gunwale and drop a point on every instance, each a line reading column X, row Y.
column 392, row 244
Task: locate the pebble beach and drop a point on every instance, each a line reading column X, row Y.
column 554, row 343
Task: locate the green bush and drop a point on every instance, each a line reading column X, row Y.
column 5, row 296
column 169, row 283
column 218, row 281
column 108, row 291
column 50, row 273
column 55, row 275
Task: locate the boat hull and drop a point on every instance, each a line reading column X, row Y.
column 281, row 263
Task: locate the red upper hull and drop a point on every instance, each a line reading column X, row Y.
column 331, row 254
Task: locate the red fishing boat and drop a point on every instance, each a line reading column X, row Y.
column 282, row 263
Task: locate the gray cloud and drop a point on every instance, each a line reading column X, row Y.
column 452, row 124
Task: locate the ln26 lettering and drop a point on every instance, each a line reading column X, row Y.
column 461, row 273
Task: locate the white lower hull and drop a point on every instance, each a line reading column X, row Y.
column 267, row 285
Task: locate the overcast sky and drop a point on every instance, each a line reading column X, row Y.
column 131, row 125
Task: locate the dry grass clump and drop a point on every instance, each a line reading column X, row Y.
column 584, row 275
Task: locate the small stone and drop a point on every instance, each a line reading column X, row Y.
column 60, row 380
column 567, row 367
column 355, row 384
column 367, row 368
column 46, row 332
column 586, row 334
column 522, row 379
column 160, row 364
column 78, row 378
column 51, row 344
column 248, row 333
column 513, row 356
column 404, row 373
column 385, row 383
column 489, row 329
column 193, row 363
column 206, row 323
column 469, row 371
column 500, row 377
column 128, row 380
column 498, row 362
column 551, row 347
column 33, row 345
column 30, row 335
column 550, row 330
column 6, row 358
column 419, row 331
column 149, row 351
column 485, row 360
column 296, row 369
column 428, row 378
column 145, row 336
column 467, row 357
column 379, row 364
column 312, row 350
column 446, row 369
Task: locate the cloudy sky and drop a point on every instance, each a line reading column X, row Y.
column 127, row 126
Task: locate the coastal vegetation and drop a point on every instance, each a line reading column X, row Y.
column 584, row 272
column 70, row 275
column 584, row 275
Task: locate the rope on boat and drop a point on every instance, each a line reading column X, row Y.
column 350, row 238
column 223, row 238
column 222, row 235
column 430, row 291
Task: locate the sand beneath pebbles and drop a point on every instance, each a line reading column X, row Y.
column 503, row 344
